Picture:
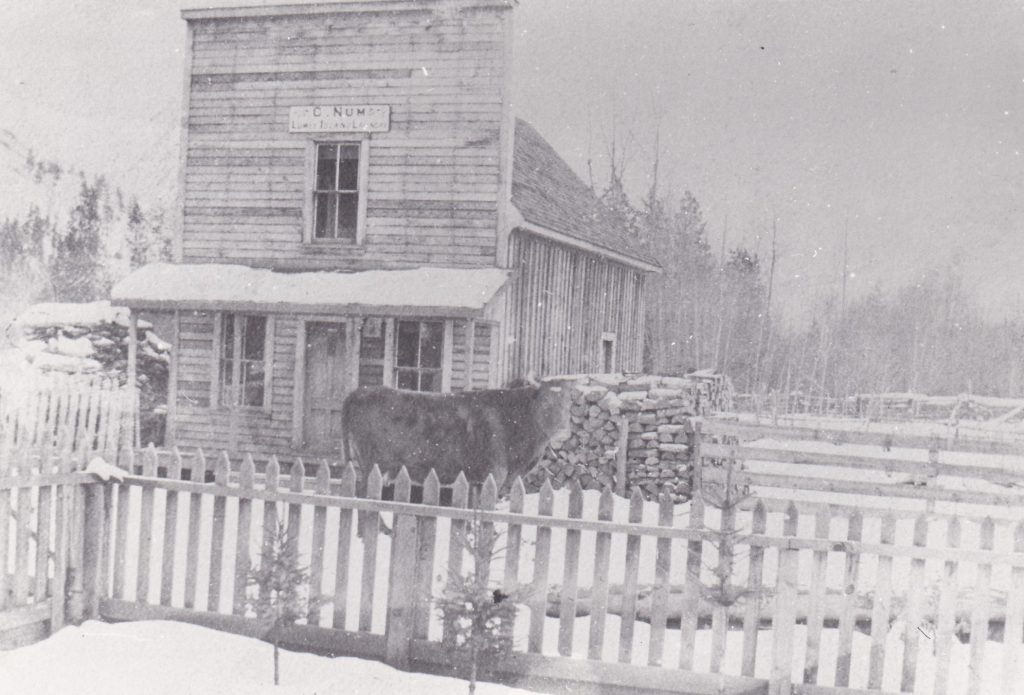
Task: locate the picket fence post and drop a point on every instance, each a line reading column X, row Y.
column 401, row 607
column 92, row 552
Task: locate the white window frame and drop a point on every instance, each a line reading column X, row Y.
column 218, row 355
column 444, row 371
column 309, row 217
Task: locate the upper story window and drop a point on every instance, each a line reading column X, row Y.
column 338, row 196
column 418, row 355
column 244, row 369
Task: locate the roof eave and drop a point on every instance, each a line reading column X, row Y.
column 335, row 7
column 520, row 222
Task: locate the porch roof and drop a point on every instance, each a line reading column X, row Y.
column 451, row 292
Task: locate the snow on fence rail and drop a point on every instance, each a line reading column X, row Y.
column 702, row 597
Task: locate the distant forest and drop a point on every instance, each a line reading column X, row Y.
column 703, row 311
column 74, row 248
column 928, row 336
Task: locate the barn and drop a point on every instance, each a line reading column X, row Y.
column 359, row 205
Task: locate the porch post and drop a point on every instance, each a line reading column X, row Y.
column 133, row 358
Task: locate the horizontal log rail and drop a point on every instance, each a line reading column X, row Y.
column 1003, row 475
column 749, row 431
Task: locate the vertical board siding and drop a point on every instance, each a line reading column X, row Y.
column 433, row 178
column 560, row 302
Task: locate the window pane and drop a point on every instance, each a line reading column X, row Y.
column 326, row 167
column 430, row 380
column 253, row 339
column 406, row 379
column 226, row 368
column 326, row 213
column 227, row 336
column 253, row 394
column 431, row 340
column 348, row 204
column 408, row 338
column 348, row 168
column 252, row 372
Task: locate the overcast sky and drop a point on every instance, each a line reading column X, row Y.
column 899, row 121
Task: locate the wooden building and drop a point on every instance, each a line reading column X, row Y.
column 360, row 206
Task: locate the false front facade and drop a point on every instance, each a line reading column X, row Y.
column 359, row 207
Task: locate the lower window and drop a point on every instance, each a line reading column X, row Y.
column 418, row 349
column 243, row 363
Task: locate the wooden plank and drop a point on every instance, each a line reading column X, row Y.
column 599, row 593
column 371, row 531
column 881, row 610
column 149, row 465
column 44, row 514
column 402, row 580
column 271, row 482
column 570, row 573
column 197, row 474
column 752, row 612
column 170, row 533
column 348, row 489
column 946, row 613
column 296, row 483
column 22, row 533
column 1014, row 625
column 784, row 618
column 318, row 548
column 456, row 543
column 911, row 634
column 425, row 541
column 220, row 479
column 848, row 616
column 692, row 588
column 662, row 578
column 539, row 588
column 513, row 537
column 980, row 613
column 630, row 581
column 817, row 590
column 121, row 534
column 242, row 554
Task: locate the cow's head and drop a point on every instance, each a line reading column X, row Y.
column 554, row 396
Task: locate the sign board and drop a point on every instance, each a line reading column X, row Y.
column 339, row 119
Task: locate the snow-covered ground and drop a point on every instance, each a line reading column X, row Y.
column 166, row 658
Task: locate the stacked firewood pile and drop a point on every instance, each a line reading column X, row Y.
column 641, row 423
column 93, row 339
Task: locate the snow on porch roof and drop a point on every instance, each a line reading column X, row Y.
column 417, row 291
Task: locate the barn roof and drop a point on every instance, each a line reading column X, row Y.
column 549, row 194
column 450, row 292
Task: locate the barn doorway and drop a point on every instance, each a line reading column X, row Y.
column 327, row 384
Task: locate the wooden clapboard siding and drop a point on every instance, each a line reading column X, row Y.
column 471, row 354
column 433, row 179
column 561, row 300
column 262, row 433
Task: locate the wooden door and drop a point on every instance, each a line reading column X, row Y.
column 327, row 383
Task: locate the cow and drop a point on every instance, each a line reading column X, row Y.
column 498, row 432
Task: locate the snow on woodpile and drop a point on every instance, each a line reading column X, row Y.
column 92, row 339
